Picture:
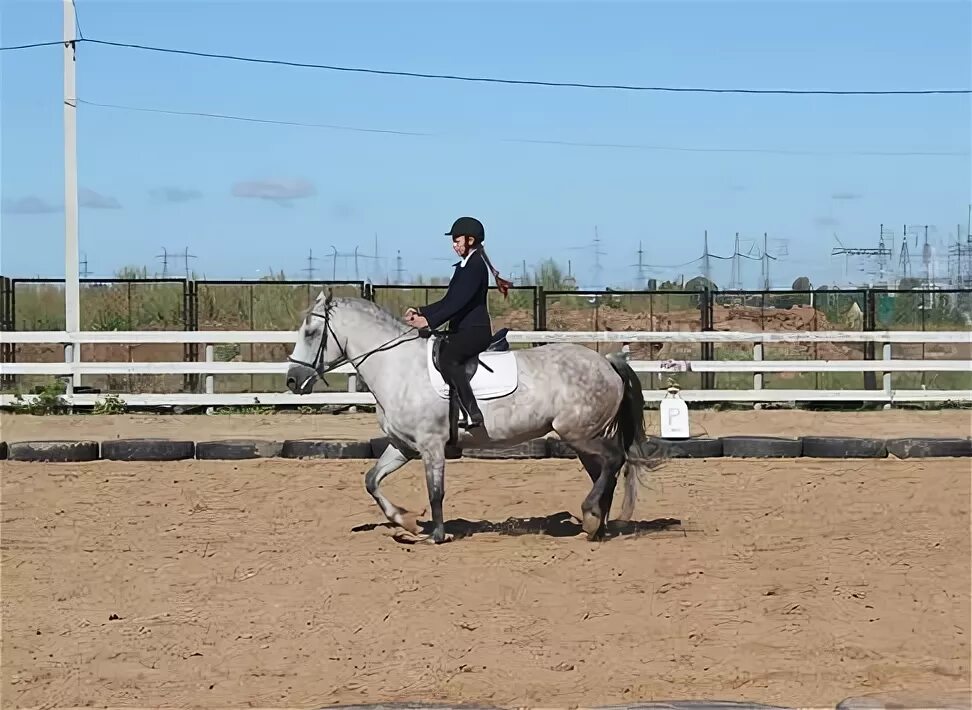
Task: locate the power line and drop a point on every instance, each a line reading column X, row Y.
column 519, row 82
column 576, row 144
column 15, row 47
column 77, row 19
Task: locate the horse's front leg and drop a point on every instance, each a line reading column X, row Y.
column 390, row 461
column 434, row 460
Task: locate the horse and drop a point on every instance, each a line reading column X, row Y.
column 593, row 402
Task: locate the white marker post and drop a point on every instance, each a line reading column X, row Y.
column 72, row 287
column 674, row 419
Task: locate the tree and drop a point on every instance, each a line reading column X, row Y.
column 551, row 277
column 700, row 283
column 801, row 283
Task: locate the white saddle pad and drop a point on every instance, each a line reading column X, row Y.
column 485, row 384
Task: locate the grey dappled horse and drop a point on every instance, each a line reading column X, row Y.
column 593, row 403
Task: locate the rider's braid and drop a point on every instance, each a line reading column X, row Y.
column 501, row 284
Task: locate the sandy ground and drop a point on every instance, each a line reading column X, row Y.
column 15, row 427
column 273, row 583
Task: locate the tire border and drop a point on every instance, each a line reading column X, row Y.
column 326, row 449
column 761, row 447
column 532, row 449
column 237, row 449
column 147, row 449
column 53, row 451
column 919, row 447
column 696, row 447
column 844, row 447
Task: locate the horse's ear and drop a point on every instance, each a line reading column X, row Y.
column 329, row 297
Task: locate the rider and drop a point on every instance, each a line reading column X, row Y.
column 464, row 307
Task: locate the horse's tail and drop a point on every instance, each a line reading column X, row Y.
column 628, row 430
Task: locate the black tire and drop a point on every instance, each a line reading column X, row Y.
column 533, row 449
column 413, row 706
column 53, row 451
column 920, row 447
column 943, row 699
column 147, row 450
column 324, row 449
column 692, row 705
column 378, row 446
column 3, row 450
column 697, row 447
column 844, row 447
column 558, row 449
column 761, row 447
column 238, row 449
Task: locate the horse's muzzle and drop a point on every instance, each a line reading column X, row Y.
column 300, row 379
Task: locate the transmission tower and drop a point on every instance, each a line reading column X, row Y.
column 904, row 261
column 960, row 259
column 164, row 256
column 881, row 252
column 640, row 266
column 84, row 273
column 597, row 253
column 735, row 278
column 399, row 269
column 310, row 270
column 765, row 258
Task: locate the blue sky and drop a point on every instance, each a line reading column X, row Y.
column 175, row 181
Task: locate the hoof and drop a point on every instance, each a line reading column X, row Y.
column 408, row 520
column 407, row 538
column 591, row 524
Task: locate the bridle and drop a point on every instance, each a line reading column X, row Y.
column 318, row 364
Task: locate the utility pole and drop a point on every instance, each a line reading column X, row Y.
column 597, row 259
column 72, row 286
column 766, row 256
column 84, row 267
column 706, row 262
column 186, row 256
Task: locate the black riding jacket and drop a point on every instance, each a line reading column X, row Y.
column 464, row 304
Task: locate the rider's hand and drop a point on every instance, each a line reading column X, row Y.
column 417, row 321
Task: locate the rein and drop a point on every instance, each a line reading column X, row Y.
column 317, row 365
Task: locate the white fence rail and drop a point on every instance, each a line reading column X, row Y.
column 75, row 368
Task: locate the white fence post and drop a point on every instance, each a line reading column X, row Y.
column 210, row 356
column 886, row 355
column 758, row 376
column 69, row 359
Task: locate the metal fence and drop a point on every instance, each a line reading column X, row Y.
column 180, row 304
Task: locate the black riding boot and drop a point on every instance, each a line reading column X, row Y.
column 474, row 417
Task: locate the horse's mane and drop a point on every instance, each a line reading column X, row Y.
column 373, row 309
column 363, row 305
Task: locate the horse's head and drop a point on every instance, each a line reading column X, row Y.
column 317, row 349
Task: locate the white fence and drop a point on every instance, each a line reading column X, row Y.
column 74, row 368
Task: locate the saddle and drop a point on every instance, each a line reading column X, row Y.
column 498, row 344
column 491, row 375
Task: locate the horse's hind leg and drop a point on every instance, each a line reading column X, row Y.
column 602, row 459
column 390, row 461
